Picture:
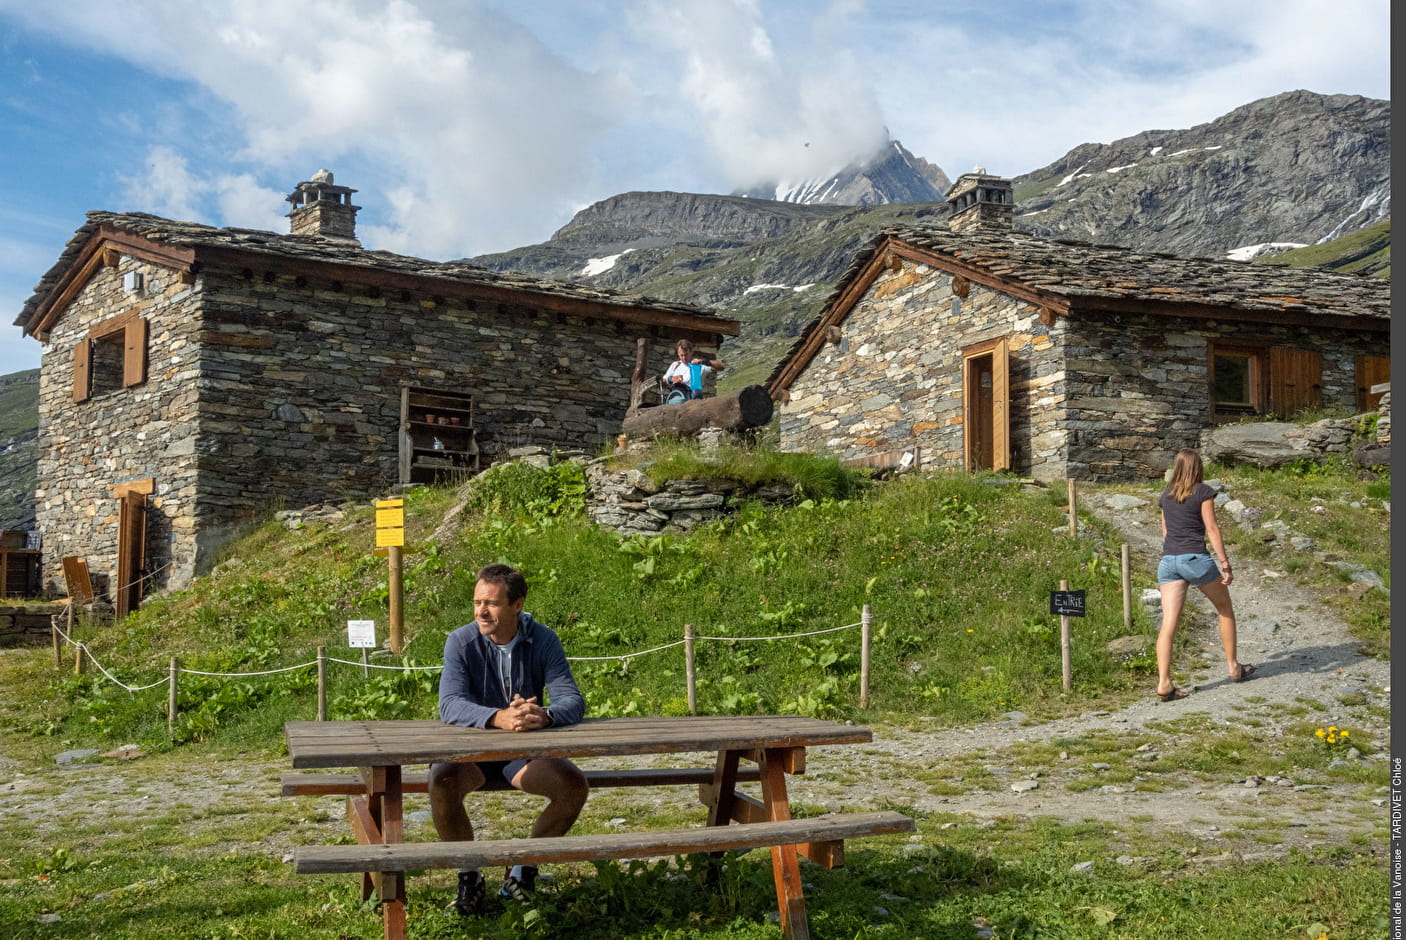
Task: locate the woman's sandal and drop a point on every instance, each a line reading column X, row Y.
column 1171, row 696
column 1246, row 671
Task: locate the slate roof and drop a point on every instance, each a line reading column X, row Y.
column 312, row 248
column 1081, row 275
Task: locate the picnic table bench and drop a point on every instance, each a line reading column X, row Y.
column 380, row 750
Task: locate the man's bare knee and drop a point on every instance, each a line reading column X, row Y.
column 454, row 780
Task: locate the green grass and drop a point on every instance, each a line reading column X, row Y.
column 1015, row 878
column 949, row 643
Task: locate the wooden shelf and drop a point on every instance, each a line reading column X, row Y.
column 420, row 461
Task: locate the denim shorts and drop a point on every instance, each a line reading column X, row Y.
column 1196, row 569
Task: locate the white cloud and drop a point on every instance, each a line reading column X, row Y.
column 765, row 113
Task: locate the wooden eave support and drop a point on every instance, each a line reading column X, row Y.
column 102, row 249
column 703, row 329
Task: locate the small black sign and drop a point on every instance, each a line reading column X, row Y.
column 1067, row 603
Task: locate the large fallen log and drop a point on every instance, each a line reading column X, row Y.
column 749, row 408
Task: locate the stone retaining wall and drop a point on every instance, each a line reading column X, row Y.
column 27, row 624
column 631, row 504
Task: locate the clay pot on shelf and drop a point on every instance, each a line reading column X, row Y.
column 429, row 418
column 443, row 419
column 454, row 420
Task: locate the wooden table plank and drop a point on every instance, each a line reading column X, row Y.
column 313, row 744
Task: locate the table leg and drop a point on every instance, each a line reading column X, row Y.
column 720, row 797
column 785, row 868
column 385, row 803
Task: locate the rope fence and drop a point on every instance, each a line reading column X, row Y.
column 82, row 655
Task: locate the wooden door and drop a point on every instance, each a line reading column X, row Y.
column 986, row 403
column 1371, row 370
column 1295, row 381
column 131, row 552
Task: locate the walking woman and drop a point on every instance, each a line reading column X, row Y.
column 1188, row 522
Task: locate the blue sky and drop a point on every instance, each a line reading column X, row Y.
column 470, row 126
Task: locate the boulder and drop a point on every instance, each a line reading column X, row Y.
column 1266, row 444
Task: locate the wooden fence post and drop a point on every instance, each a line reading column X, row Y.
column 322, row 683
column 1073, row 511
column 1064, row 640
column 689, row 669
column 866, row 633
column 171, row 698
column 54, row 634
column 78, row 659
column 1127, row 588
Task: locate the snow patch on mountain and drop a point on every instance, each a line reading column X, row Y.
column 596, row 266
column 1250, row 252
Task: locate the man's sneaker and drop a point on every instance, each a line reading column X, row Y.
column 470, row 898
column 519, row 888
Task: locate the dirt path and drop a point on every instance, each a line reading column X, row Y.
column 1305, row 659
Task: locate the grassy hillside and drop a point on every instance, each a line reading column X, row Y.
column 1367, row 251
column 19, row 429
column 957, row 570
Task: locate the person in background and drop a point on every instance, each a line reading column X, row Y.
column 495, row 672
column 678, row 376
column 1188, row 523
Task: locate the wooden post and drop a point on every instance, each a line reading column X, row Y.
column 54, row 635
column 866, row 633
column 171, row 697
column 1064, row 635
column 393, row 554
column 689, row 669
column 78, row 659
column 365, row 665
column 1073, row 511
column 322, row 683
column 1127, row 588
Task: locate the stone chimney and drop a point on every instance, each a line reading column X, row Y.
column 980, row 202
column 319, row 208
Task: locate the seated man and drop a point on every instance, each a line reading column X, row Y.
column 495, row 670
column 678, row 378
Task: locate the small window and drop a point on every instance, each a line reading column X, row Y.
column 1233, row 380
column 1237, row 382
column 111, row 357
column 105, row 361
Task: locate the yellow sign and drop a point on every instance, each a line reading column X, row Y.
column 390, row 522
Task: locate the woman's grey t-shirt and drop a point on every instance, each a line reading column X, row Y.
column 1186, row 532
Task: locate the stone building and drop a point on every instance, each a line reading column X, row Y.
column 195, row 378
column 978, row 347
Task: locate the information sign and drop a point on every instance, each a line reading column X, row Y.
column 361, row 634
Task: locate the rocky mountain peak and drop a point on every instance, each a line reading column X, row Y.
column 891, row 174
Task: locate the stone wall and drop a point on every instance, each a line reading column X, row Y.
column 628, row 502
column 268, row 390
column 27, row 624
column 1094, row 397
column 895, row 379
column 120, row 434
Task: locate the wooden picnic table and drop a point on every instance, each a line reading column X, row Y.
column 382, row 749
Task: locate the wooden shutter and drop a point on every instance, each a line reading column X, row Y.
column 75, row 576
column 1295, row 381
column 1000, row 408
column 134, row 352
column 82, row 372
column 1371, row 370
